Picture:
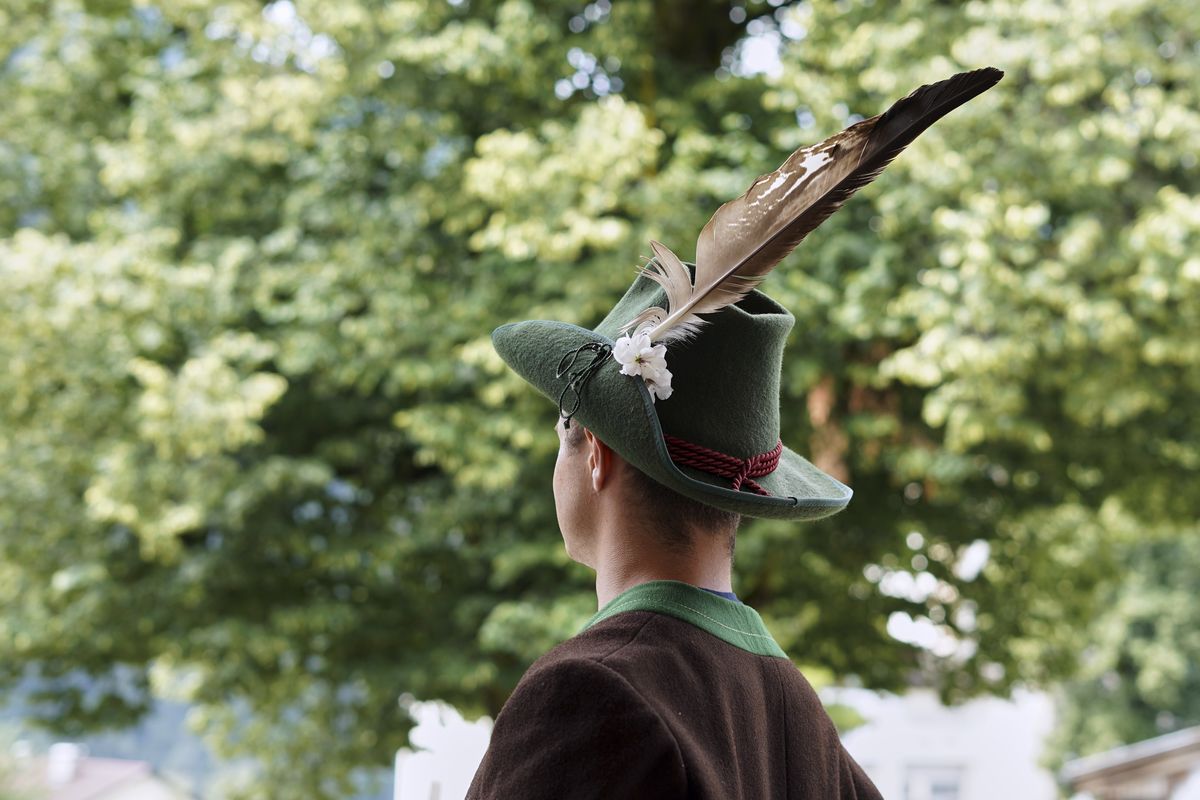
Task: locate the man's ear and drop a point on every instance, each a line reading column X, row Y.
column 600, row 460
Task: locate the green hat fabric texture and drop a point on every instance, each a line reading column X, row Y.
column 725, row 397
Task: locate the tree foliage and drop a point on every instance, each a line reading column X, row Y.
column 260, row 455
column 1138, row 675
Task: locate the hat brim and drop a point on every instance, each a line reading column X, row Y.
column 619, row 409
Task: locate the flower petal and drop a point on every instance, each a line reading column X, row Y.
column 623, row 350
column 660, row 391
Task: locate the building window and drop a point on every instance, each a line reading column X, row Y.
column 933, row 783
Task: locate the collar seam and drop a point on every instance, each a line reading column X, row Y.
column 716, row 621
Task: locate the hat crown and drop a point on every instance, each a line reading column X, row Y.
column 725, row 378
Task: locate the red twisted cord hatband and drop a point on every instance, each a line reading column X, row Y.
column 741, row 470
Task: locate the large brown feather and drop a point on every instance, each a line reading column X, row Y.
column 747, row 237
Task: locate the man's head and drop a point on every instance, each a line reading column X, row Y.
column 586, row 466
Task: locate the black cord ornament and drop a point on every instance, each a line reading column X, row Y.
column 578, row 378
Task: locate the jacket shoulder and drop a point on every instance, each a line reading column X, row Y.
column 574, row 727
column 600, row 641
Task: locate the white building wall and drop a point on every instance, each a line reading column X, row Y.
column 450, row 751
column 914, row 748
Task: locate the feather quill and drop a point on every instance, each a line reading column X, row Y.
column 747, row 237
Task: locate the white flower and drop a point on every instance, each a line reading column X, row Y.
column 660, row 391
column 638, row 357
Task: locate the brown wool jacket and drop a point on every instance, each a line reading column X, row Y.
column 668, row 692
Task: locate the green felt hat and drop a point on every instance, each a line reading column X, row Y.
column 713, row 434
column 724, row 401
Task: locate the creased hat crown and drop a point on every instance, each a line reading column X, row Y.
column 726, row 381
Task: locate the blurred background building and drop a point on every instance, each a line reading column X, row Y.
column 1163, row 768
column 67, row 772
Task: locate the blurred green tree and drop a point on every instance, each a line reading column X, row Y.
column 1139, row 675
column 260, row 455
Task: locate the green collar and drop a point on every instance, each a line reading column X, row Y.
column 736, row 623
